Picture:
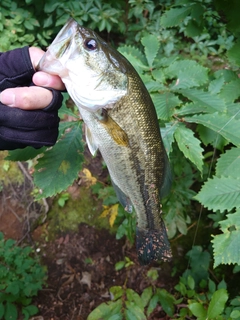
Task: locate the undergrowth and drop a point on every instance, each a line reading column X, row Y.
column 187, row 53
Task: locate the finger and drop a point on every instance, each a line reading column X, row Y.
column 35, row 55
column 27, row 98
column 46, row 80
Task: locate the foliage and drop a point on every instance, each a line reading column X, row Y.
column 21, row 277
column 187, row 54
column 196, row 294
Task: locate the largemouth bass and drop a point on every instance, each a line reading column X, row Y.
column 120, row 121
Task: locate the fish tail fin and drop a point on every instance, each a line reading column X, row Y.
column 152, row 245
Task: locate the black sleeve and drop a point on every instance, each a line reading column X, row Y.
column 20, row 128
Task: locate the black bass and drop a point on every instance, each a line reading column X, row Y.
column 120, row 121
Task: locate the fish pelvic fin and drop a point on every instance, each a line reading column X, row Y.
column 152, row 245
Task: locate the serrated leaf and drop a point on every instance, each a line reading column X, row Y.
column 223, row 124
column 209, row 136
column 135, row 57
column 151, row 46
column 189, row 145
column 217, row 303
column 226, row 245
column 165, row 104
column 228, row 162
column 175, row 16
column 24, row 154
column 188, row 73
column 59, row 166
column 210, row 102
column 216, row 85
column 231, row 91
column 220, row 194
column 168, row 135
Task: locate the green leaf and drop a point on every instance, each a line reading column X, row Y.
column 2, row 310
column 166, row 301
column 134, row 312
column 107, row 311
column 133, row 297
column 228, row 162
column 175, row 16
column 30, row 310
column 226, row 245
column 24, row 154
column 146, row 295
column 198, row 310
column 116, row 292
column 233, row 53
column 235, row 314
column 231, row 91
column 151, row 46
column 59, row 166
column 152, row 304
column 189, row 145
column 217, row 303
column 209, row 136
column 165, row 104
column 210, row 102
column 168, row 135
column 216, row 85
column 188, row 73
column 220, row 194
column 11, row 311
column 221, row 123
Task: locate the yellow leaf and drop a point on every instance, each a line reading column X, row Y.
column 87, row 178
column 112, row 212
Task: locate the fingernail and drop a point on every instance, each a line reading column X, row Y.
column 7, row 97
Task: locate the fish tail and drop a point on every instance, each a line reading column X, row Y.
column 152, row 245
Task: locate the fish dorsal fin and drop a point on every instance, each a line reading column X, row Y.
column 92, row 146
column 167, row 178
column 123, row 199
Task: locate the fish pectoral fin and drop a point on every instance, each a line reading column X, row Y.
column 92, row 146
column 122, row 198
column 115, row 131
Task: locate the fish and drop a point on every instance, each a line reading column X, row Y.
column 121, row 122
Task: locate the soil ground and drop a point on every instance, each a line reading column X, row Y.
column 81, row 264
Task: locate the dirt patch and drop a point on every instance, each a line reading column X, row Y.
column 81, row 270
column 80, row 264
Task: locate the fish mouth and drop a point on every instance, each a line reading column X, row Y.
column 69, row 30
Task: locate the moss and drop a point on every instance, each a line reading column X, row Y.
column 9, row 171
column 84, row 209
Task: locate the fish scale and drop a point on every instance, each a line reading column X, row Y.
column 124, row 127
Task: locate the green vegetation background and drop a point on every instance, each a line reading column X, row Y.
column 188, row 55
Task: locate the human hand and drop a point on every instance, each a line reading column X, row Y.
column 28, row 112
column 33, row 97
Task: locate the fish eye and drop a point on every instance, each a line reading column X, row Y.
column 90, row 44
